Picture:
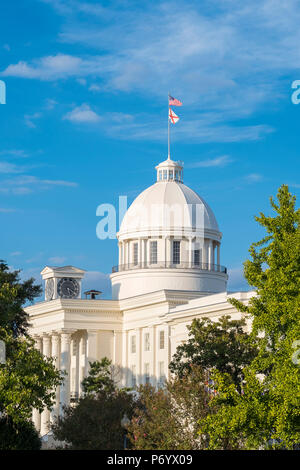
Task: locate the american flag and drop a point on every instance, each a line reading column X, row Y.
column 174, row 101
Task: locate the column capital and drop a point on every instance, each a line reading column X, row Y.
column 66, row 331
column 46, row 337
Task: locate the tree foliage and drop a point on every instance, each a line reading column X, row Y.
column 26, row 379
column 100, row 378
column 13, row 295
column 222, row 344
column 167, row 418
column 98, row 413
column 18, row 436
column 267, row 412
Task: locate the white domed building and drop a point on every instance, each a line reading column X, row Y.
column 168, row 239
column 168, row 273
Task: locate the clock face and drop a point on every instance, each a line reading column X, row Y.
column 68, row 288
column 49, row 290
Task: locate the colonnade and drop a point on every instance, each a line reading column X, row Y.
column 210, row 250
column 72, row 351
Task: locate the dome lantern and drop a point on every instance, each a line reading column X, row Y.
column 169, row 170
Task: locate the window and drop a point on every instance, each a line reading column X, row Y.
column 197, row 257
column 160, row 175
column 135, row 253
column 147, row 372
column 133, row 376
column 176, row 175
column 133, row 344
column 170, row 174
column 176, row 252
column 153, row 252
column 165, row 174
column 161, row 371
column 147, row 341
column 162, row 340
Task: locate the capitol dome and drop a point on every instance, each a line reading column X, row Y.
column 167, row 194
column 169, row 239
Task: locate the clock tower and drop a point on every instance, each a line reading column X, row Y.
column 62, row 282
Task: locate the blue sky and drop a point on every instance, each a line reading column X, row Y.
column 85, row 119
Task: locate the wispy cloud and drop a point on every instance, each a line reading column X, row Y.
column 81, row 114
column 6, row 210
column 46, row 68
column 7, row 168
column 26, row 184
column 17, row 153
column 254, row 178
column 230, row 61
column 30, row 119
column 213, row 162
column 59, row 260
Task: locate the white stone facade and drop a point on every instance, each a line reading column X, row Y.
column 158, row 289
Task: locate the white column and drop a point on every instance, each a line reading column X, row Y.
column 210, row 254
column 81, row 361
column 218, row 254
column 91, row 348
column 74, row 367
column 64, row 396
column 139, row 369
column 124, row 357
column 190, row 251
column 120, row 252
column 128, row 253
column 36, row 416
column 168, row 251
column 55, row 339
column 153, row 351
column 140, row 254
column 45, row 416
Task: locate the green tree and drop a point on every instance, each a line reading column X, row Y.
column 98, row 413
column 100, row 378
column 18, row 436
column 222, row 344
column 267, row 412
column 27, row 379
column 167, row 418
column 13, row 295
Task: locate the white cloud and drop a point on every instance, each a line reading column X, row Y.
column 226, row 57
column 58, row 260
column 254, row 177
column 46, row 68
column 94, row 87
column 81, row 81
column 97, row 280
column 14, row 153
column 236, row 280
column 6, row 210
column 6, row 167
column 26, row 184
column 214, row 162
column 29, row 119
column 82, row 113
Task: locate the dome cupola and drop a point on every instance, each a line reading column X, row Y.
column 169, row 171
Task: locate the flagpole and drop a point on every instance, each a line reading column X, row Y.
column 169, row 158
